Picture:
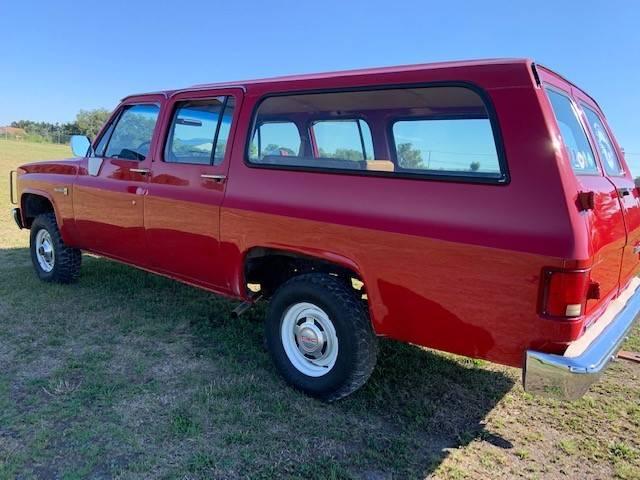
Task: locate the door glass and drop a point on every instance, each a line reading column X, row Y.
column 131, row 138
column 195, row 128
column 603, row 142
column 573, row 135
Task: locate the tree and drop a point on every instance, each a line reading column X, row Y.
column 475, row 166
column 90, row 122
column 409, row 157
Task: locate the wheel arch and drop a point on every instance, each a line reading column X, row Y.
column 35, row 202
column 271, row 266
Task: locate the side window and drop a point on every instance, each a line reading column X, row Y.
column 343, row 139
column 102, row 144
column 131, row 137
column 603, row 143
column 453, row 145
column 573, row 135
column 441, row 131
column 275, row 139
column 199, row 131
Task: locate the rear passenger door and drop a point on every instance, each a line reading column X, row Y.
column 613, row 165
column 187, row 185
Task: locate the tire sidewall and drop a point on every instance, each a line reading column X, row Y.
column 41, row 224
column 306, row 292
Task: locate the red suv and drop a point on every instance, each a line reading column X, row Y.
column 481, row 208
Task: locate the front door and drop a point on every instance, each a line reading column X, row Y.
column 187, row 185
column 108, row 195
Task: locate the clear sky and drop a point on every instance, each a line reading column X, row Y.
column 58, row 57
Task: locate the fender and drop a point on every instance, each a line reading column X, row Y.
column 66, row 227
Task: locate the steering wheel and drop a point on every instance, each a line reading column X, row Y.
column 142, row 146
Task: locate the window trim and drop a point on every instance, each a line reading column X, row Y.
column 170, row 130
column 583, row 106
column 505, row 178
column 585, row 128
column 115, row 119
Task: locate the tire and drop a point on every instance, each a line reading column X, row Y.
column 52, row 260
column 336, row 346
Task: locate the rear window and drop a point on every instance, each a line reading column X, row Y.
column 573, row 135
column 442, row 131
column 604, row 144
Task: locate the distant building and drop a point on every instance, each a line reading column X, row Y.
column 12, row 132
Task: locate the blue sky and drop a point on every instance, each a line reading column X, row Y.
column 59, row 57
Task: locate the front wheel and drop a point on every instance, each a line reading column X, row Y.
column 52, row 260
column 320, row 337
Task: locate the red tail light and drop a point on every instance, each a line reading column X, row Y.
column 564, row 293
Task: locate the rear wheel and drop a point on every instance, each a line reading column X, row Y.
column 52, row 260
column 320, row 337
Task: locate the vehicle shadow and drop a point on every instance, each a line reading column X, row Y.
column 417, row 405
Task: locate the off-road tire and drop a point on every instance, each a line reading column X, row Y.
column 357, row 343
column 67, row 260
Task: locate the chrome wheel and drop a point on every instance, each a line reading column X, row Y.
column 309, row 339
column 44, row 251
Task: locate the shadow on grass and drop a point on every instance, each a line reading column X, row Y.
column 416, row 406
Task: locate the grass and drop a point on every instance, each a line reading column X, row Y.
column 129, row 375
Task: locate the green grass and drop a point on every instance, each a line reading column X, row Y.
column 130, row 375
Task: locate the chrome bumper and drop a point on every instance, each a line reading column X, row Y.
column 17, row 217
column 569, row 377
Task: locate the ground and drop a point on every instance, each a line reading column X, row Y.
column 129, row 375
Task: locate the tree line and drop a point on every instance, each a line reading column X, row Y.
column 87, row 122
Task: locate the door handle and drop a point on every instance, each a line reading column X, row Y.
column 623, row 192
column 142, row 171
column 217, row 178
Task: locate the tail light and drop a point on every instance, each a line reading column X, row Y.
column 565, row 293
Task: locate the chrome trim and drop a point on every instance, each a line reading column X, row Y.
column 218, row 178
column 568, row 378
column 142, row 171
column 17, row 217
column 13, row 176
column 63, row 190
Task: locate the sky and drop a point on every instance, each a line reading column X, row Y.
column 59, row 57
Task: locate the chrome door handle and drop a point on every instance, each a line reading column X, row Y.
column 217, row 178
column 142, row 171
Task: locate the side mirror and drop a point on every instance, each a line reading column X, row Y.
column 80, row 145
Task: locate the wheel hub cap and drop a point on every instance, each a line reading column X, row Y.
column 44, row 251
column 309, row 339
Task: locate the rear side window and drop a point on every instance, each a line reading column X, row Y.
column 573, row 135
column 275, row 139
column 199, row 131
column 603, row 142
column 443, row 131
column 131, row 136
column 448, row 144
column 343, row 139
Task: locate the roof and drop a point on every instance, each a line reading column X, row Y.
column 347, row 73
column 371, row 71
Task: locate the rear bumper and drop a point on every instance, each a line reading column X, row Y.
column 17, row 217
column 569, row 376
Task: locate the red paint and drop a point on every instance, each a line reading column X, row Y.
column 449, row 265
